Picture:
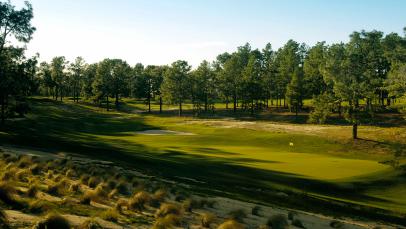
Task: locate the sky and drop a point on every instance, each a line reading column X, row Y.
column 163, row 31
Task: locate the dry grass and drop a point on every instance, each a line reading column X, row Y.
column 167, row 209
column 93, row 182
column 110, row 215
column 139, row 200
column 32, row 190
column 7, row 195
column 39, row 207
column 207, row 219
column 121, row 203
column 3, row 220
column 238, row 215
column 278, row 222
column 53, row 221
column 90, row 224
column 231, row 224
column 169, row 221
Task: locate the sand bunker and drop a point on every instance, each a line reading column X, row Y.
column 163, row 132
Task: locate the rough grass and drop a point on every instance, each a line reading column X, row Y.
column 167, row 209
column 278, row 222
column 3, row 220
column 236, row 151
column 53, row 220
column 207, row 219
column 139, row 200
column 230, row 224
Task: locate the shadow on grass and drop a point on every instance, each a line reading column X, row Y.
column 73, row 128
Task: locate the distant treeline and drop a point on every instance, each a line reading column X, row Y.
column 371, row 67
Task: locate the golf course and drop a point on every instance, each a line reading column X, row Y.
column 256, row 161
column 262, row 114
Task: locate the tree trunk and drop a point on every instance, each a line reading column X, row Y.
column 160, row 104
column 206, row 103
column 2, row 110
column 116, row 101
column 149, row 103
column 297, row 109
column 180, row 108
column 252, row 107
column 355, row 131
column 227, row 103
column 107, row 103
column 235, row 103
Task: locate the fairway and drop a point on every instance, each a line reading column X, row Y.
column 226, row 153
column 236, row 147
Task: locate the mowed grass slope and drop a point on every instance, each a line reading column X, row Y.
column 230, row 155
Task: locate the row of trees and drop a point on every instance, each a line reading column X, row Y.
column 370, row 67
column 17, row 73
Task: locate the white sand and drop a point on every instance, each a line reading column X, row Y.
column 163, row 132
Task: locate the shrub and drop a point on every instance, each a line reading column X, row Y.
column 3, row 220
column 58, row 188
column 207, row 219
column 167, row 222
column 231, row 224
column 53, row 221
column 187, row 205
column 7, row 193
column 84, row 179
column 298, row 223
column 111, row 184
column 120, row 204
column 49, row 174
column 39, row 207
column 291, row 215
column 255, row 210
column 24, row 161
column 93, row 182
column 167, row 209
column 238, row 215
column 110, row 215
column 32, row 190
column 70, row 173
column 101, row 190
column 35, row 169
column 90, row 224
column 122, row 188
column 157, row 198
column 74, row 187
column 278, row 222
column 139, row 200
column 87, row 197
column 22, row 175
column 336, row 224
column 112, row 194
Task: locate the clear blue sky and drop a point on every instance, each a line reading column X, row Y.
column 162, row 31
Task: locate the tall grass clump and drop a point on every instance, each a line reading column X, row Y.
column 278, row 222
column 139, row 200
column 90, row 224
column 231, row 224
column 110, row 215
column 53, row 221
column 8, row 195
column 3, row 220
column 167, row 209
column 169, row 221
column 207, row 219
column 238, row 215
